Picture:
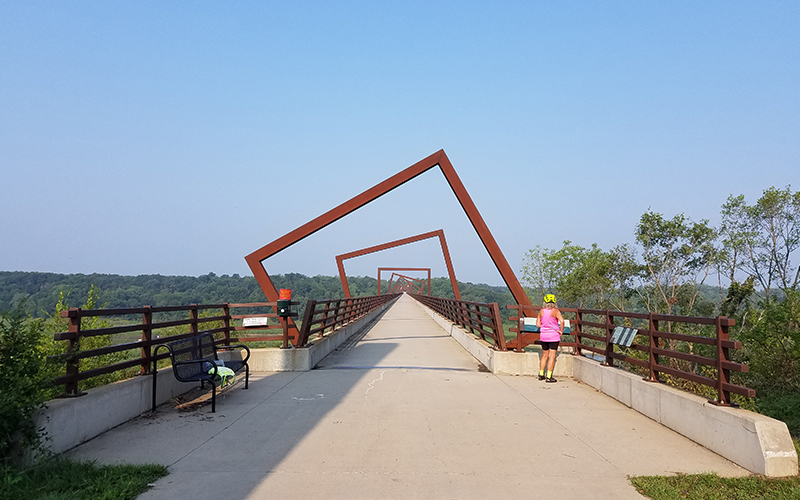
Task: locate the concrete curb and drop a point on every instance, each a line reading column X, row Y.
column 756, row 442
column 69, row 422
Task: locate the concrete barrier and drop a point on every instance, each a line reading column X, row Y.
column 756, row 442
column 69, row 422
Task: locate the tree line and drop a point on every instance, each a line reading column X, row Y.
column 41, row 292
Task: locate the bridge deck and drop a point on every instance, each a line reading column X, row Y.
column 403, row 412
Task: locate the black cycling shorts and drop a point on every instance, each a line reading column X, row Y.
column 546, row 346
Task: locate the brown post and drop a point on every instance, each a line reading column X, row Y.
column 723, row 375
column 193, row 315
column 226, row 323
column 285, row 325
column 653, row 344
column 497, row 321
column 609, row 345
column 73, row 346
column 147, row 337
column 578, row 320
column 302, row 338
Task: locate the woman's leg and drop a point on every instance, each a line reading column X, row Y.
column 551, row 362
column 543, row 363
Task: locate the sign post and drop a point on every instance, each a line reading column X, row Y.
column 284, row 310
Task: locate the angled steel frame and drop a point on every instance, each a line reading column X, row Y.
column 402, row 285
column 421, row 269
column 440, row 159
column 439, row 233
column 417, row 285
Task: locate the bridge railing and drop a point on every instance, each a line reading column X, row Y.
column 695, row 350
column 479, row 318
column 129, row 349
column 322, row 317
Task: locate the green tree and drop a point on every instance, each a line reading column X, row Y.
column 624, row 270
column 760, row 239
column 540, row 272
column 583, row 277
column 678, row 257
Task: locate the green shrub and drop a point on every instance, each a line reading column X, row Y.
column 22, row 391
column 58, row 349
column 783, row 406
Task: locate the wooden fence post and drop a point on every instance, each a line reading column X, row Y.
column 226, row 323
column 147, row 338
column 723, row 374
column 73, row 346
column 308, row 317
column 609, row 345
column 653, row 359
column 194, row 316
column 497, row 321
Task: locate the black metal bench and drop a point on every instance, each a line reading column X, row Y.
column 195, row 359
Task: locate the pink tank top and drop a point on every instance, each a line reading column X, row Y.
column 549, row 331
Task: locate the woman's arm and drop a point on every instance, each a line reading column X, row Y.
column 560, row 322
column 539, row 318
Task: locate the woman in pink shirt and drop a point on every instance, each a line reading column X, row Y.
column 551, row 326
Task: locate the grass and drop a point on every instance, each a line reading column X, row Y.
column 713, row 487
column 61, row 479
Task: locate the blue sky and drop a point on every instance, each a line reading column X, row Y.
column 178, row 137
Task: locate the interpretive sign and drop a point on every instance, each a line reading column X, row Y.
column 254, row 322
column 623, row 336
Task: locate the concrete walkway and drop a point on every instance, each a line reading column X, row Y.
column 403, row 412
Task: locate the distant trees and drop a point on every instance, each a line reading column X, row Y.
column 43, row 291
column 582, row 277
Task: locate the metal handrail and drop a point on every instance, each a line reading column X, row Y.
column 479, row 318
column 147, row 343
column 325, row 316
column 658, row 344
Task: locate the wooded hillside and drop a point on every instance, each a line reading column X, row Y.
column 41, row 290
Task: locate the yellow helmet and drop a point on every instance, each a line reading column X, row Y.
column 550, row 298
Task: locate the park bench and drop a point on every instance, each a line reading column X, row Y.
column 196, row 359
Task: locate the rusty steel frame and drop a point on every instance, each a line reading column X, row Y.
column 420, row 269
column 254, row 260
column 439, row 233
column 404, row 285
column 415, row 284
